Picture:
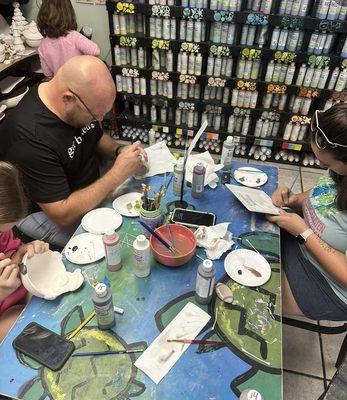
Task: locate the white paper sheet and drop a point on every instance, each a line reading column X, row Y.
column 254, row 200
column 161, row 355
column 160, row 159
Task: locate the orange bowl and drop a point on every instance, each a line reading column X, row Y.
column 184, row 242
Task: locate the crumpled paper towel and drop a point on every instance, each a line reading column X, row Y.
column 211, row 178
column 160, row 159
column 215, row 239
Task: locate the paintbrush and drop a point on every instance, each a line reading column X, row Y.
column 187, row 341
column 294, row 182
column 85, row 322
column 157, row 236
column 106, row 353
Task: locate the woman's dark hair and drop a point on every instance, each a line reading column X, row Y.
column 333, row 123
column 13, row 203
column 56, row 18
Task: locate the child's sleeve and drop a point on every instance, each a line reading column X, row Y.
column 86, row 46
column 45, row 67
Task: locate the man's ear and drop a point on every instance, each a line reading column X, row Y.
column 68, row 98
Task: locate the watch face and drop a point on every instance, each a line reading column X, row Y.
column 300, row 239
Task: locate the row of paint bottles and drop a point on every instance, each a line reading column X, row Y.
column 274, row 100
column 338, row 80
column 160, row 2
column 300, row 105
column 194, row 3
column 213, row 116
column 263, row 6
column 260, row 152
column 331, row 10
column 130, row 56
column 192, row 31
column 189, row 63
column 253, row 35
column 280, row 72
column 265, row 127
column 219, row 66
column 129, row 84
column 162, row 28
column 139, row 110
column 161, row 88
column 159, row 114
column 239, row 124
column 223, row 32
column 162, row 60
column 244, row 98
column 226, row 5
column 124, row 24
column 310, row 160
column 131, row 132
column 188, row 91
column 315, row 77
column 187, row 117
column 295, row 131
column 248, row 68
column 321, row 43
column 294, row 7
column 331, row 102
column 286, row 155
column 217, row 93
column 286, row 39
column 210, row 145
column 240, row 149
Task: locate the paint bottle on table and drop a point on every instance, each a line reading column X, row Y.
column 178, row 177
column 142, row 256
column 112, row 250
column 103, row 305
column 205, row 282
column 198, row 180
column 227, row 153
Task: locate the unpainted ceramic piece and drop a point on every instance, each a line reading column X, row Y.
column 44, row 275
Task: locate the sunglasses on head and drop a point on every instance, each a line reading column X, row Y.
column 319, row 136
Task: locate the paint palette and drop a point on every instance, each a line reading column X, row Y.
column 85, row 249
column 249, row 176
column 128, row 205
column 101, row 220
column 247, row 267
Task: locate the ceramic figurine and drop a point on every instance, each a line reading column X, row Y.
column 18, row 18
column 17, row 40
column 2, row 53
column 32, row 35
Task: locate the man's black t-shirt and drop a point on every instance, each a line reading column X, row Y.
column 55, row 158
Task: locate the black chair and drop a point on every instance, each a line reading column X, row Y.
column 326, row 330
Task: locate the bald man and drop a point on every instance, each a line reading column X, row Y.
column 55, row 139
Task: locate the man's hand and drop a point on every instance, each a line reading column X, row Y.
column 129, row 161
column 9, row 277
column 290, row 222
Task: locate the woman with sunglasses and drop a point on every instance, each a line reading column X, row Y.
column 314, row 237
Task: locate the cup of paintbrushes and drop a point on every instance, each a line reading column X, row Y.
column 152, row 216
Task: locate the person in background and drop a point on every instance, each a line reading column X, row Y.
column 13, row 207
column 56, row 22
column 55, row 139
column 313, row 246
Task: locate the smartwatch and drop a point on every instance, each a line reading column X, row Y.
column 302, row 237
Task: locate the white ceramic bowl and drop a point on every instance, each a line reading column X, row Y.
column 33, row 42
column 13, row 101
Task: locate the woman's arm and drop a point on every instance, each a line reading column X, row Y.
column 333, row 261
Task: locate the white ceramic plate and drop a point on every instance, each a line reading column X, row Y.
column 249, row 176
column 101, row 220
column 84, row 249
column 238, row 260
column 120, row 204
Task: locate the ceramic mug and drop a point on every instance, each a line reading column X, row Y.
column 152, row 218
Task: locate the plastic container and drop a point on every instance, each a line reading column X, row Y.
column 142, row 256
column 198, row 180
column 152, row 218
column 205, row 282
column 111, row 242
column 227, row 153
column 103, row 305
column 178, row 176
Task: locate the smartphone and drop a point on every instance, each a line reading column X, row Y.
column 44, row 346
column 192, row 218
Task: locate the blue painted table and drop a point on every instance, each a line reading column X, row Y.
column 250, row 327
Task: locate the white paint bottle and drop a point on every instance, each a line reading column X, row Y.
column 142, row 250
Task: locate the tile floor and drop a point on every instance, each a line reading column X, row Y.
column 308, row 357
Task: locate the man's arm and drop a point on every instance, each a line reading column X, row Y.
column 107, row 147
column 70, row 210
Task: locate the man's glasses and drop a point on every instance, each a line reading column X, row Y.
column 85, row 106
column 320, row 137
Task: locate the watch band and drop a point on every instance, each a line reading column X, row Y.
column 302, row 237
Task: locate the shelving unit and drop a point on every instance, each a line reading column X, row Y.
column 172, row 102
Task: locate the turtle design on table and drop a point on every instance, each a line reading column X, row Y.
column 248, row 325
column 87, row 377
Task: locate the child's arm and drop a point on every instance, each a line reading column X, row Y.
column 86, row 46
column 35, row 247
column 9, row 277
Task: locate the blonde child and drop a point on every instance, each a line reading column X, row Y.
column 56, row 22
column 13, row 207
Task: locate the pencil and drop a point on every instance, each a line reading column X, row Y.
column 187, row 341
column 85, row 322
column 106, row 353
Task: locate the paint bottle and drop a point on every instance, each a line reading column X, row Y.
column 251, row 35
column 183, row 25
column 341, row 83
column 275, row 38
column 303, row 8
column 198, row 180
column 103, row 306
column 333, row 78
column 224, row 33
column 322, row 9
column 112, row 250
column 314, row 41
column 172, row 29
column 231, row 34
column 178, row 176
column 301, row 75
column 190, row 31
column 205, row 282
column 269, row 71
column 308, row 76
column 290, row 74
column 227, row 153
column 142, row 256
column 334, row 10
column 247, row 70
column 244, row 34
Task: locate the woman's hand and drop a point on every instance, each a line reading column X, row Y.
column 9, row 277
column 290, row 222
column 35, row 247
column 283, row 198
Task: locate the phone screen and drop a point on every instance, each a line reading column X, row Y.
column 44, row 346
column 193, row 218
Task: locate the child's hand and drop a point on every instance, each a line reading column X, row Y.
column 9, row 277
column 35, row 247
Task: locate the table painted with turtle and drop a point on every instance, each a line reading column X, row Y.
column 250, row 327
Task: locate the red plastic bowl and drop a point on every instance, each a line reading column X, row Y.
column 184, row 242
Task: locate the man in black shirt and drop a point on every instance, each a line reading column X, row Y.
column 55, row 139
